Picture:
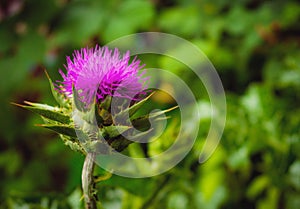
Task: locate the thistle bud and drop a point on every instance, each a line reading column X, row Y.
column 98, row 99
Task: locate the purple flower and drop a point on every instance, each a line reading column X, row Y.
column 98, row 72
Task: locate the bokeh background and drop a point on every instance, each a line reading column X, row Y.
column 254, row 46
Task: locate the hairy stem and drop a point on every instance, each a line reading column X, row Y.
column 88, row 181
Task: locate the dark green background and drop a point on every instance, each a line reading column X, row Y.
column 254, row 46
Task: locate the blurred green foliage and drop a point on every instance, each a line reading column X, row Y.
column 254, row 46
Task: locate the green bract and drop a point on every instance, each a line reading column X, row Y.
column 94, row 129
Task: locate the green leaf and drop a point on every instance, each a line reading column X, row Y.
column 119, row 143
column 90, row 115
column 114, row 131
column 87, row 113
column 136, row 137
column 142, row 123
column 58, row 97
column 61, row 129
column 79, row 105
column 132, row 109
column 106, row 103
column 46, row 111
column 74, row 145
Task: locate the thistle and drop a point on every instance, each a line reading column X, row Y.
column 98, row 101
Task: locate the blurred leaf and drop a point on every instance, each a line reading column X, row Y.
column 6, row 37
column 78, row 22
column 239, row 159
column 74, row 199
column 294, row 174
column 257, row 186
column 139, row 187
column 30, row 51
column 271, row 200
column 293, row 200
column 237, row 25
column 177, row 200
column 124, row 20
column 180, row 20
column 35, row 16
column 290, row 13
column 13, row 165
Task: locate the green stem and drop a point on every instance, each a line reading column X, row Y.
column 88, row 181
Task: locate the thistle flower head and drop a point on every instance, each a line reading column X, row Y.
column 99, row 72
